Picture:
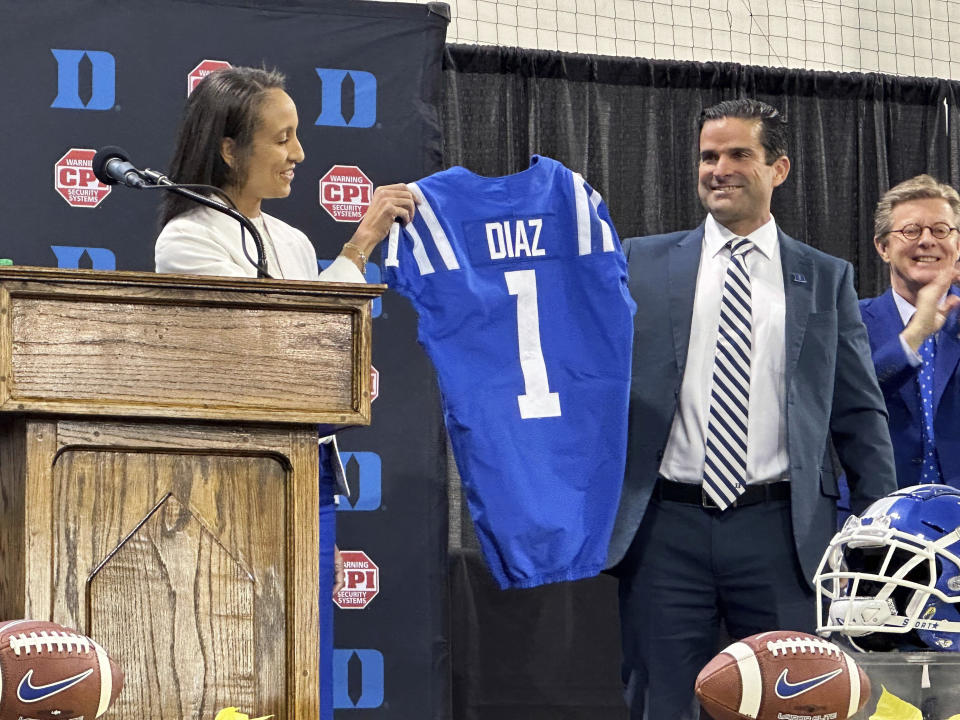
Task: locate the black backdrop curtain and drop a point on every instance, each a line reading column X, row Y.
column 629, row 126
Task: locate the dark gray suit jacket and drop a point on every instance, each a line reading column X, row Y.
column 832, row 390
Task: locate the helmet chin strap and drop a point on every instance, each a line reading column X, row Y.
column 862, row 616
column 938, row 625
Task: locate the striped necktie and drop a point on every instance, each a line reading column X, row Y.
column 930, row 472
column 725, row 462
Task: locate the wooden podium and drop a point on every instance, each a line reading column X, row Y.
column 158, row 474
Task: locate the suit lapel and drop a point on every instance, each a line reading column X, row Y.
column 883, row 319
column 948, row 354
column 886, row 328
column 684, row 263
column 798, row 282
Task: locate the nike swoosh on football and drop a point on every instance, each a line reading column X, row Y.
column 786, row 689
column 29, row 693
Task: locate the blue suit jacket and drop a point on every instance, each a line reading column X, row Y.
column 901, row 394
column 832, row 391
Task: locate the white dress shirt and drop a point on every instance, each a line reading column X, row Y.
column 767, row 458
column 203, row 241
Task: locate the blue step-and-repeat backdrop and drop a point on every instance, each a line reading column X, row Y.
column 82, row 74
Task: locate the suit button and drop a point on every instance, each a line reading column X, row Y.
column 659, row 455
column 917, row 461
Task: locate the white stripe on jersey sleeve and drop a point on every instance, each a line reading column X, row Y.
column 750, row 678
column 583, row 214
column 393, row 243
column 436, row 230
column 854, row 675
column 419, row 252
column 595, row 200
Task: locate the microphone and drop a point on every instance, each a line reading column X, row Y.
column 111, row 166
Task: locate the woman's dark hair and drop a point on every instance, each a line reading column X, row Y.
column 225, row 104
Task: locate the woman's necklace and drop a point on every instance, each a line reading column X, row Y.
column 273, row 259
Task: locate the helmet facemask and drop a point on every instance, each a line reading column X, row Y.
column 887, row 588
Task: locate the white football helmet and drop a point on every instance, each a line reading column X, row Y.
column 890, row 579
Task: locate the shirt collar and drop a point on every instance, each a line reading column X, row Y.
column 716, row 236
column 907, row 310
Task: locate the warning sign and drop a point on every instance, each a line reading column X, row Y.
column 345, row 193
column 74, row 180
column 202, row 70
column 362, row 581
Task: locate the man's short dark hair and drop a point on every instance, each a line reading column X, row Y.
column 774, row 127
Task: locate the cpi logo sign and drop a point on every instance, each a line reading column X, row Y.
column 202, row 70
column 345, row 193
column 362, row 580
column 74, row 180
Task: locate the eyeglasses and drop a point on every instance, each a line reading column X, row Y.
column 912, row 232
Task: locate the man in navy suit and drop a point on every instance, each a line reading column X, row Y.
column 684, row 564
column 915, row 228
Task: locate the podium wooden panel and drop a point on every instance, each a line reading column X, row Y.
column 158, row 474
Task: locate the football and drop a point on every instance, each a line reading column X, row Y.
column 782, row 675
column 49, row 672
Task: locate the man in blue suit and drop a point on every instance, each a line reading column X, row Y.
column 913, row 329
column 749, row 357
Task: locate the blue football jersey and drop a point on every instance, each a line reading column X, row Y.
column 520, row 285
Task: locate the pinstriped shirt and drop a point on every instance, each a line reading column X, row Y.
column 767, row 458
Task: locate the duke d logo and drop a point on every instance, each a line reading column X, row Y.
column 94, row 68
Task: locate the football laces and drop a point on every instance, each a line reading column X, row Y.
column 49, row 642
column 802, row 645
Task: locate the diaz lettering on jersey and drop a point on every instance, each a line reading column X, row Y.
column 513, row 239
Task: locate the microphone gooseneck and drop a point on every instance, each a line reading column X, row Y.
column 111, row 166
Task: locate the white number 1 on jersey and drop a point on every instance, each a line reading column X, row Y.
column 537, row 400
